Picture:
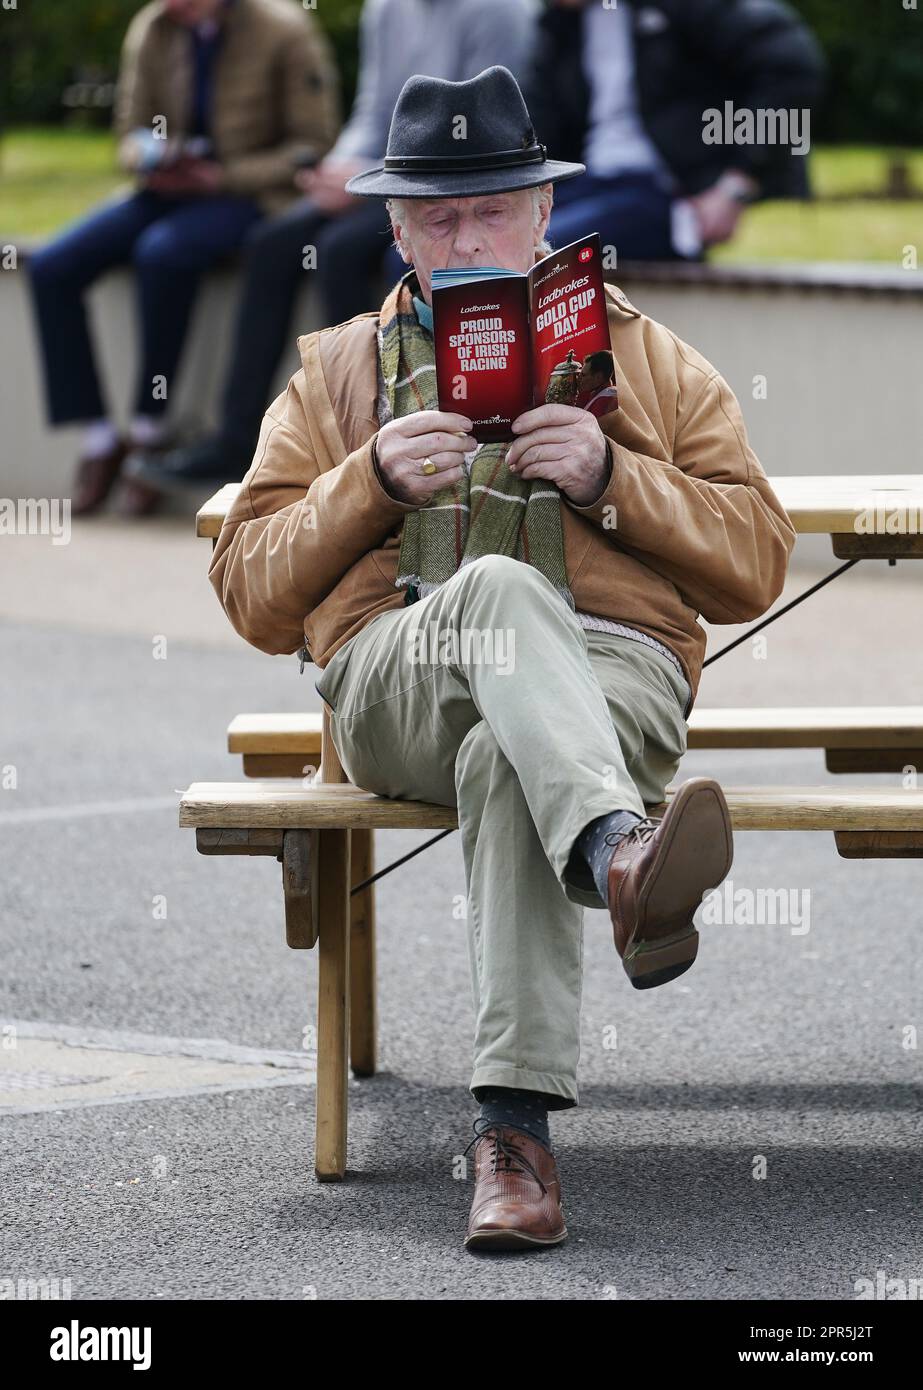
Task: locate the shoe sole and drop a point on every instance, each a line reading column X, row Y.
column 510, row 1240
column 699, row 845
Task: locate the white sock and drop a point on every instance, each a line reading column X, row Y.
column 100, row 437
column 148, row 430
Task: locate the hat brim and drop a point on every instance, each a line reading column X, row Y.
column 381, row 183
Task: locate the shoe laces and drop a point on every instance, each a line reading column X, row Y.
column 641, row 832
column 504, row 1151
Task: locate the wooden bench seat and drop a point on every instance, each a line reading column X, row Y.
column 855, row 739
column 288, row 805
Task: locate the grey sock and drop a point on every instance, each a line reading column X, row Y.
column 597, row 850
column 527, row 1110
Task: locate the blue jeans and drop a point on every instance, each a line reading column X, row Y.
column 631, row 213
column 170, row 242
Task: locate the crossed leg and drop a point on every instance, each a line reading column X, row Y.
column 486, row 696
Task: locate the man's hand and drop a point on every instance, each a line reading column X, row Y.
column 403, row 444
column 185, row 177
column 564, row 445
column 718, row 209
column 324, row 183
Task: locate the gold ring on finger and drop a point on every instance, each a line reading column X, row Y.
column 428, row 467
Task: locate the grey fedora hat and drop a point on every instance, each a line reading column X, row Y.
column 460, row 139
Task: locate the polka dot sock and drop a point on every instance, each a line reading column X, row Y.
column 597, row 851
column 505, row 1105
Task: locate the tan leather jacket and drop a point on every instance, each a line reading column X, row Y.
column 275, row 92
column 687, row 525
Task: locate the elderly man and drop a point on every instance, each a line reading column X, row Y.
column 556, row 731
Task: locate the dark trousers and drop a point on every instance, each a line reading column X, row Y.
column 170, row 242
column 346, row 253
column 631, row 213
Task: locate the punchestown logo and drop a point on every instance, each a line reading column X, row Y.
column 76, row 1343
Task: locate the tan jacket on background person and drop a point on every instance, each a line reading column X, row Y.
column 275, row 92
column 687, row 525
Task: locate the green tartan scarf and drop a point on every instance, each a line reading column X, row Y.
column 489, row 511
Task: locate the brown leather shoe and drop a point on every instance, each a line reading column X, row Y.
column 517, row 1191
column 658, row 876
column 94, row 478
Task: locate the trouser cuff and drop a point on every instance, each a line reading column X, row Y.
column 560, row 1090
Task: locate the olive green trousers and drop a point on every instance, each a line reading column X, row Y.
column 490, row 696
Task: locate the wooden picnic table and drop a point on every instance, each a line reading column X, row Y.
column 322, row 830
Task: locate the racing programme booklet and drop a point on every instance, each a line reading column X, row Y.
column 506, row 341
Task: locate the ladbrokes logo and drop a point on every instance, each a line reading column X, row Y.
column 76, row 1343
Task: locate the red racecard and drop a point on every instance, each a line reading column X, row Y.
column 506, row 341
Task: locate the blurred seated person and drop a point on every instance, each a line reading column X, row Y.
column 341, row 240
column 596, row 385
column 624, row 90
column 217, row 101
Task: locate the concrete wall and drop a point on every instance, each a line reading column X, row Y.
column 841, row 357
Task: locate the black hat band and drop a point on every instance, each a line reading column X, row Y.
column 498, row 159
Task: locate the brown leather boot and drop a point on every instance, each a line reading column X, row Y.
column 94, row 478
column 517, row 1191
column 659, row 874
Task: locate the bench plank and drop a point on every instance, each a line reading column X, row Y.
column 276, row 733
column 818, row 504
column 288, row 805
column 876, row 726
column 832, row 505
column 210, row 516
column 264, row 736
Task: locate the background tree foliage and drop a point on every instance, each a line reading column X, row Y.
column 874, row 48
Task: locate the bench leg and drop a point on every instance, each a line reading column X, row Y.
column 362, row 1011
column 332, row 1005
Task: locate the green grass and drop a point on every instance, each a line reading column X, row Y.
column 50, row 175
column 859, row 169
column 825, row 232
